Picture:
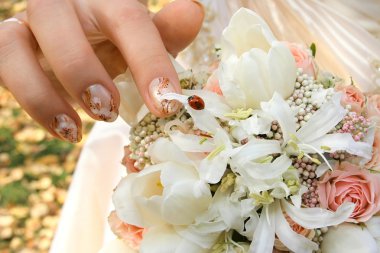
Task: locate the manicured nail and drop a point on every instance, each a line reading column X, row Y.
column 200, row 4
column 99, row 100
column 66, row 128
column 157, row 88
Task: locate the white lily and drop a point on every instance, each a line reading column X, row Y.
column 205, row 120
column 314, row 136
column 254, row 65
column 158, row 193
column 273, row 222
column 219, row 148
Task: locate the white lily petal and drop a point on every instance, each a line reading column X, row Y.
column 339, row 141
column 323, row 168
column 263, row 238
column 280, row 190
column 250, row 226
column 191, row 142
column 369, row 139
column 176, row 201
column 254, row 149
column 161, row 239
column 214, row 103
column 203, row 119
column 175, row 96
column 268, row 170
column 312, row 218
column 163, row 150
column 283, row 70
column 323, row 121
column 256, row 125
column 297, row 199
column 279, row 110
column 292, row 240
column 212, row 170
column 373, row 226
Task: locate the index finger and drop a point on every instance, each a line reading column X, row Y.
column 129, row 26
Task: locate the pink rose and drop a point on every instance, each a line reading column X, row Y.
column 304, row 59
column 128, row 162
column 352, row 96
column 132, row 235
column 373, row 108
column 213, row 84
column 374, row 164
column 349, row 183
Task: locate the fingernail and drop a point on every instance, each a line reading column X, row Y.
column 199, row 4
column 66, row 128
column 157, row 88
column 99, row 100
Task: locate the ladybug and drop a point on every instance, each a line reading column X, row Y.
column 196, row 102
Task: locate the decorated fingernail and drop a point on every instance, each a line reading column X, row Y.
column 101, row 103
column 157, row 88
column 66, row 128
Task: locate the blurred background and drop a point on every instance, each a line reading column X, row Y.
column 35, row 169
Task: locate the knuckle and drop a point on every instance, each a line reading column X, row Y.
column 73, row 60
column 123, row 15
column 10, row 38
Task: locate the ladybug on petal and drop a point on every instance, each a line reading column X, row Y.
column 196, row 102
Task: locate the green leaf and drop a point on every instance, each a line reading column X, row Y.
column 313, row 49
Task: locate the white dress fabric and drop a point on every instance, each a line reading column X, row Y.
column 344, row 46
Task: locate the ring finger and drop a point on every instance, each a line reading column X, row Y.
column 31, row 87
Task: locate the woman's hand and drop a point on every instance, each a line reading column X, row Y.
column 80, row 45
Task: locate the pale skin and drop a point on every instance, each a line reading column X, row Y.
column 70, row 50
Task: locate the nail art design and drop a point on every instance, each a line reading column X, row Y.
column 66, row 128
column 157, row 88
column 100, row 101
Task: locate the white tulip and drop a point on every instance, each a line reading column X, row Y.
column 161, row 192
column 254, row 65
column 349, row 238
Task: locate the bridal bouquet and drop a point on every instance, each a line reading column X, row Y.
column 269, row 154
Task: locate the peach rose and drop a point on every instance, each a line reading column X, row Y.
column 374, row 164
column 132, row 235
column 349, row 183
column 352, row 96
column 373, row 108
column 304, row 59
column 308, row 233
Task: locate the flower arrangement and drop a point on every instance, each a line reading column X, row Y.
column 268, row 155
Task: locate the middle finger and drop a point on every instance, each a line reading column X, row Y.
column 66, row 48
